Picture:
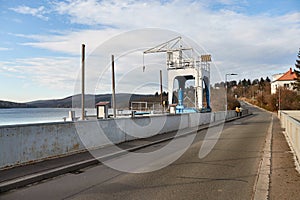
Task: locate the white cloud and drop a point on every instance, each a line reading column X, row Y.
column 36, row 12
column 5, row 49
column 228, row 35
column 252, row 46
column 70, row 42
column 58, row 72
column 129, row 14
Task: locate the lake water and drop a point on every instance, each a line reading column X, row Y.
column 37, row 115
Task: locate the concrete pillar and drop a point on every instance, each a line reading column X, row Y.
column 170, row 89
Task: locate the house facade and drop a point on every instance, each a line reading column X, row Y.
column 284, row 80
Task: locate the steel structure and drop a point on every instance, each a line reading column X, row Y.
column 182, row 65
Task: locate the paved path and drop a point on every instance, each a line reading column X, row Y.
column 229, row 171
column 285, row 180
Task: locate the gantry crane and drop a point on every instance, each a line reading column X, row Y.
column 182, row 66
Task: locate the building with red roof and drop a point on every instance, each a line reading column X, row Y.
column 284, row 80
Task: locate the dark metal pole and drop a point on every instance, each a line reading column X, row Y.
column 161, row 91
column 82, row 83
column 279, row 103
column 113, row 85
column 226, row 92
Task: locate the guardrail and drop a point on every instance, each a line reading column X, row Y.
column 292, row 129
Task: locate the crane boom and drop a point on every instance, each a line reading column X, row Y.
column 167, row 46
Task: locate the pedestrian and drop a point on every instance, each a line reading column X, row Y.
column 237, row 111
column 241, row 109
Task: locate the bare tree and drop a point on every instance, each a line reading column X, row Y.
column 297, row 71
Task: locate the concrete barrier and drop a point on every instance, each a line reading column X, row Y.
column 290, row 120
column 21, row 144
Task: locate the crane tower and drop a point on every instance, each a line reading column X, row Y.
column 182, row 65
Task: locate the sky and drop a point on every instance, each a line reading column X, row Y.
column 40, row 46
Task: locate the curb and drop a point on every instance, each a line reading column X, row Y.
column 37, row 177
column 261, row 187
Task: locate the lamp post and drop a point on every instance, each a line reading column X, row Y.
column 279, row 99
column 232, row 74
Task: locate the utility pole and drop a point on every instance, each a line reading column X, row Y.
column 82, row 83
column 113, row 85
column 226, row 102
column 279, row 103
column 161, row 91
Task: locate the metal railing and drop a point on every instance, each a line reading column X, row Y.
column 292, row 129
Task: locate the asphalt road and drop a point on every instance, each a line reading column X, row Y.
column 229, row 171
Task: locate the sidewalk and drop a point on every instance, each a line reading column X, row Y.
column 285, row 179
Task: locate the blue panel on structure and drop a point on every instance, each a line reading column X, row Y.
column 190, row 110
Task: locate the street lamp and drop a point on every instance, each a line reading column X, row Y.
column 232, row 74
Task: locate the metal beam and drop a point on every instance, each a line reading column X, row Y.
column 163, row 47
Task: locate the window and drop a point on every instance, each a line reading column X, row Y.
column 286, row 85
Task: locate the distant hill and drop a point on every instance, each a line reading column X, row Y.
column 9, row 104
column 122, row 100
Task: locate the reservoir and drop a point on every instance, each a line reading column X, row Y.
column 14, row 116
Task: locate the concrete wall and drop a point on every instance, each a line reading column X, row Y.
column 290, row 120
column 28, row 143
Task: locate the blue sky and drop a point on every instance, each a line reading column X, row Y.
column 40, row 40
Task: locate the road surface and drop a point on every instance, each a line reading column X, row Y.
column 229, row 171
